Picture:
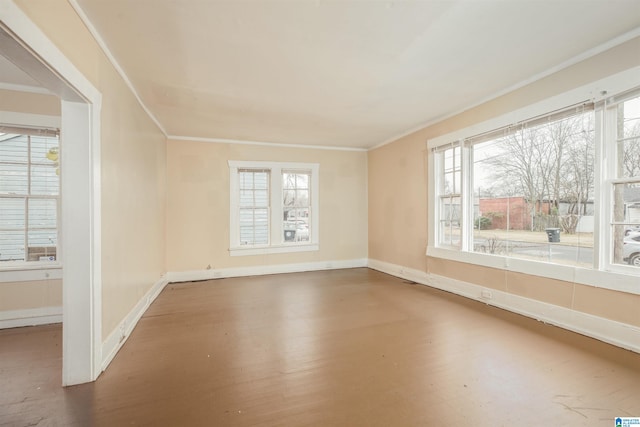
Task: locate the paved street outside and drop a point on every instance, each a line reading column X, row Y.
column 584, row 240
column 573, row 249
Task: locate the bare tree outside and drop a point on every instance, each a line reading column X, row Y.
column 296, row 205
column 547, row 164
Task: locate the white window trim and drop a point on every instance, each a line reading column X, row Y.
column 24, row 271
column 275, row 226
column 604, row 274
column 31, row 274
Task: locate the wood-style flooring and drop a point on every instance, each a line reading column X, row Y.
column 333, row 348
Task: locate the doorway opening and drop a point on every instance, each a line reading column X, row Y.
column 27, row 47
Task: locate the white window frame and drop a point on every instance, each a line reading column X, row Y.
column 25, row 271
column 610, row 117
column 604, row 273
column 276, row 211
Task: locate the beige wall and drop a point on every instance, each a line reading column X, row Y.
column 133, row 167
column 398, row 190
column 145, row 183
column 198, row 204
column 16, row 296
column 32, row 103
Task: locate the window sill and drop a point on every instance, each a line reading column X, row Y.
column 623, row 280
column 274, row 249
column 30, row 273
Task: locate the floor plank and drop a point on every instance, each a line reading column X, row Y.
column 333, row 348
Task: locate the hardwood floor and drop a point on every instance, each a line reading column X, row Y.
column 333, row 348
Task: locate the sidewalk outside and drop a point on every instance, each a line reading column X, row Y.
column 584, row 240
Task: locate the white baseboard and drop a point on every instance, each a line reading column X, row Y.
column 609, row 331
column 30, row 317
column 117, row 338
column 194, row 275
column 616, row 333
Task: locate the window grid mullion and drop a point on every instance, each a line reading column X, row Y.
column 26, row 201
column 275, row 208
column 466, row 198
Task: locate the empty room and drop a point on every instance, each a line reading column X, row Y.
column 319, row 213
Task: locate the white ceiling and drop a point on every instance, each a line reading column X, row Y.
column 339, row 73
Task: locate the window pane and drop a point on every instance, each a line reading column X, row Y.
column 12, row 223
column 44, row 150
column 43, row 213
column 261, row 180
column 451, row 171
column 44, row 180
column 12, row 214
column 450, row 210
column 630, row 251
column 302, row 181
column 13, row 148
column 451, row 160
column 629, row 138
column 11, row 245
column 254, row 226
column 534, row 192
column 450, row 234
column 254, row 207
column 246, row 198
column 626, row 210
column 28, row 166
column 261, row 198
column 288, row 180
column 289, row 197
column 302, row 198
column 296, row 206
column 42, row 245
column 13, row 179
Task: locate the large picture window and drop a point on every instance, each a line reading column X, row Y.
column 533, row 182
column 29, row 195
column 274, row 207
column 559, row 187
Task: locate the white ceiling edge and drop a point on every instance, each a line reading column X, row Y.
column 566, row 64
column 572, row 61
column 270, row 144
column 85, row 20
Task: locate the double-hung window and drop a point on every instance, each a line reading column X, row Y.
column 450, row 186
column 253, row 206
column 557, row 183
column 273, row 207
column 29, row 196
column 623, row 118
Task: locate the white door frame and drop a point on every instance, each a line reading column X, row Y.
column 80, row 244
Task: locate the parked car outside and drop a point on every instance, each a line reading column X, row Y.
column 633, row 229
column 631, row 234
column 631, row 250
